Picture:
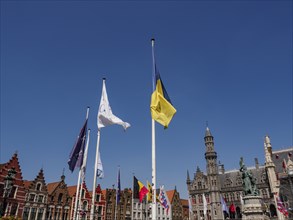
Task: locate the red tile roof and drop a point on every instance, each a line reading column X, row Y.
column 52, row 186
column 170, row 194
column 72, row 190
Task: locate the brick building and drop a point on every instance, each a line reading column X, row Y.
column 35, row 198
column 12, row 191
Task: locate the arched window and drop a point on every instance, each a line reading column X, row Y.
column 200, row 198
column 82, row 193
column 39, row 186
column 84, row 205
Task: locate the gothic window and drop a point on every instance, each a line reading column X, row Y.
column 82, row 193
column 208, row 198
column 38, row 186
column 199, row 185
column 200, row 198
column 232, row 196
column 263, row 177
column 238, row 181
column 237, row 196
column 194, row 200
column 228, row 182
column 227, row 197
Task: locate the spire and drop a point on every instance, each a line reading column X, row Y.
column 197, row 169
column 208, row 132
column 188, row 178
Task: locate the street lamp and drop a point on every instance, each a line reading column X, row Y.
column 8, row 184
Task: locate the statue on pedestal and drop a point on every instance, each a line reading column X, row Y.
column 249, row 181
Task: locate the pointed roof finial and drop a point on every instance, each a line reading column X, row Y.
column 63, row 176
column 197, row 169
column 208, row 132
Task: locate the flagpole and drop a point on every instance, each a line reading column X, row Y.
column 154, row 202
column 95, row 176
column 76, row 196
column 83, row 169
column 132, row 196
column 118, row 180
column 79, row 176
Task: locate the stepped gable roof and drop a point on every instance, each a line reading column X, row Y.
column 170, row 194
column 278, row 157
column 12, row 163
column 71, row 190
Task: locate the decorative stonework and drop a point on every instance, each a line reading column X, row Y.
column 252, row 208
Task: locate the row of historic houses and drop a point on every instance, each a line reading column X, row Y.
column 38, row 200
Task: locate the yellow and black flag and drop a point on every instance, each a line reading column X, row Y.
column 162, row 110
column 150, row 193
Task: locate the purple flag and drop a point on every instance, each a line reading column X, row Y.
column 76, row 155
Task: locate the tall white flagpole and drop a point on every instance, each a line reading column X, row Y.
column 132, row 204
column 78, row 181
column 154, row 202
column 83, row 170
column 95, row 176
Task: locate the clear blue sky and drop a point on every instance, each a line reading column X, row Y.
column 225, row 62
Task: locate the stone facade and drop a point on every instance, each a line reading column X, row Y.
column 217, row 182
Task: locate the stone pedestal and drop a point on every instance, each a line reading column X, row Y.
column 252, row 208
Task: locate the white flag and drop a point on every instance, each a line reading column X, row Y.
column 100, row 171
column 164, row 199
column 105, row 115
column 205, row 205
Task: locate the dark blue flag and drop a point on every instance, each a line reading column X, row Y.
column 76, row 155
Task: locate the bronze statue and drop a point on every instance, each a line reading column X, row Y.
column 249, row 181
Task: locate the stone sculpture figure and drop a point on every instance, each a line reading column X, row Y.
column 249, row 181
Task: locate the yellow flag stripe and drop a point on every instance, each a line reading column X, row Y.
column 161, row 110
